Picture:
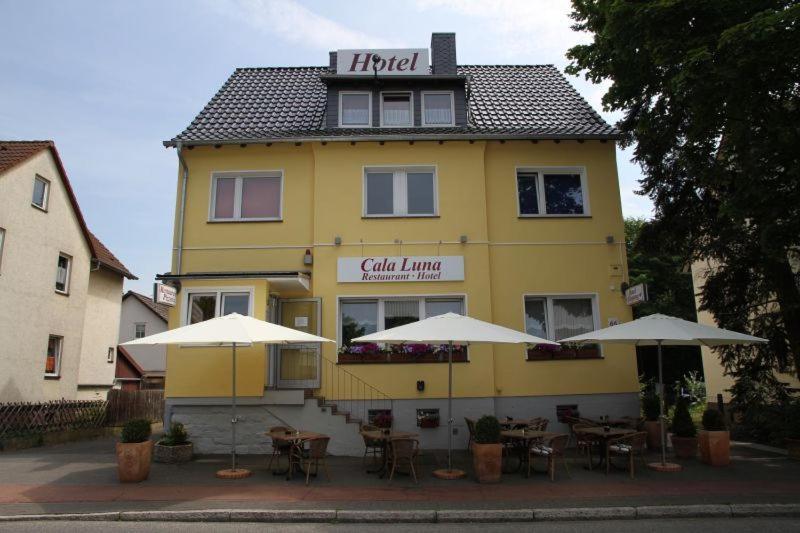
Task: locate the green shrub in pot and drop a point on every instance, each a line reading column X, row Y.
column 684, row 432
column 134, row 451
column 174, row 446
column 487, row 430
column 715, row 441
column 136, row 430
column 487, row 452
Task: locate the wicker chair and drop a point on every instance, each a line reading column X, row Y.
column 538, row 424
column 471, row 429
column 279, row 447
column 404, row 450
column 584, row 442
column 317, row 450
column 371, row 446
column 554, row 448
column 628, row 446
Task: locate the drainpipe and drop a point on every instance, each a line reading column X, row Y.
column 184, row 179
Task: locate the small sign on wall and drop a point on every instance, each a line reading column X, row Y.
column 165, row 294
column 301, row 321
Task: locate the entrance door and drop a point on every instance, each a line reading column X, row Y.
column 298, row 364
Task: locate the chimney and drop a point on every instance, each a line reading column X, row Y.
column 332, row 61
column 443, row 53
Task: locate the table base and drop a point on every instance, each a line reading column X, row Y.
column 228, row 473
column 454, row 473
column 665, row 467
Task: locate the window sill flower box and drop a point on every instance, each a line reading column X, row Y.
column 560, row 353
column 405, row 353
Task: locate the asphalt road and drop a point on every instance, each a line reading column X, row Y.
column 685, row 525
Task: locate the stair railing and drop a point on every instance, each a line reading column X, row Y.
column 349, row 393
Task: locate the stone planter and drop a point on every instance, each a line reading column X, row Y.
column 173, row 454
column 715, row 447
column 487, row 460
column 684, row 447
column 793, row 447
column 653, row 429
column 133, row 461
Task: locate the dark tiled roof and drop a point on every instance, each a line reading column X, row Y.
column 506, row 101
column 13, row 153
column 160, row 309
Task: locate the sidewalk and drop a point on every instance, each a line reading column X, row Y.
column 81, row 477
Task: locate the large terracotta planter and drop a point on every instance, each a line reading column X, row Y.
column 487, row 460
column 684, row 447
column 133, row 461
column 793, row 447
column 173, row 454
column 653, row 429
column 715, row 447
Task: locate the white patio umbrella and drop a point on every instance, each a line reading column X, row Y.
column 658, row 330
column 230, row 330
column 451, row 328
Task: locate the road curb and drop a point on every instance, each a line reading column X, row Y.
column 569, row 514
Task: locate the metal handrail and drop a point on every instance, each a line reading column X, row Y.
column 349, row 393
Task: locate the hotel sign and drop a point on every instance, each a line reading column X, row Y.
column 164, row 294
column 400, row 268
column 396, row 62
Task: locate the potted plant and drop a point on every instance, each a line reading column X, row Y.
column 134, row 451
column 715, row 440
column 684, row 433
column 487, row 452
column 174, row 446
column 651, row 408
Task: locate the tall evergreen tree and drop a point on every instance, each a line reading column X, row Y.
column 710, row 96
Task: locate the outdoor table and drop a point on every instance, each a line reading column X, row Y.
column 603, row 436
column 513, row 423
column 523, row 436
column 384, row 439
column 297, row 440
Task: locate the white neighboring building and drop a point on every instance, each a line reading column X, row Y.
column 60, row 287
column 142, row 317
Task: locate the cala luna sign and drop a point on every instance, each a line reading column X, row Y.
column 400, row 268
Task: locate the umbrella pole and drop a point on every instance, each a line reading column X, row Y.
column 661, row 407
column 450, row 405
column 233, row 409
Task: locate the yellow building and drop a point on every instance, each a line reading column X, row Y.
column 380, row 190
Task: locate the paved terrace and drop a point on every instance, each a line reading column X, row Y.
column 81, row 477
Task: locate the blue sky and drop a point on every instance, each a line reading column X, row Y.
column 108, row 81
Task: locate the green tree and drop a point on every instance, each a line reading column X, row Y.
column 710, row 99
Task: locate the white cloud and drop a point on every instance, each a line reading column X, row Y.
column 295, row 23
column 528, row 28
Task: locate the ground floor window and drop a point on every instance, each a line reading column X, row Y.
column 362, row 316
column 212, row 303
column 560, row 317
column 52, row 366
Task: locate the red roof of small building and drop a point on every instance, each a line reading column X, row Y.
column 13, row 153
column 160, row 309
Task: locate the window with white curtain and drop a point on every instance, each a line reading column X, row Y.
column 63, row 270
column 246, row 196
column 559, row 317
column 396, row 109
column 362, row 316
column 355, row 109
column 41, row 192
column 437, row 109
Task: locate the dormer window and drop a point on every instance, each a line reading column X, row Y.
column 396, row 110
column 437, row 108
column 355, row 109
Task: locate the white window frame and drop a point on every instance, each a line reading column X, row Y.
column 382, row 299
column 136, row 331
column 400, row 190
column 239, row 176
column 46, row 198
column 57, row 372
column 452, row 109
column 111, row 353
column 217, row 292
column 369, row 113
column 411, row 109
column 540, row 191
column 549, row 297
column 2, row 246
column 67, row 284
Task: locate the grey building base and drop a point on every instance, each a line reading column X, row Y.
column 208, row 421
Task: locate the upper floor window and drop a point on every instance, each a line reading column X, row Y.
column 437, row 109
column 41, row 192
column 2, row 242
column 355, row 109
column 246, row 196
column 397, row 109
column 139, row 331
column 407, row 191
column 556, row 191
column 52, row 365
column 63, row 271
column 209, row 304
